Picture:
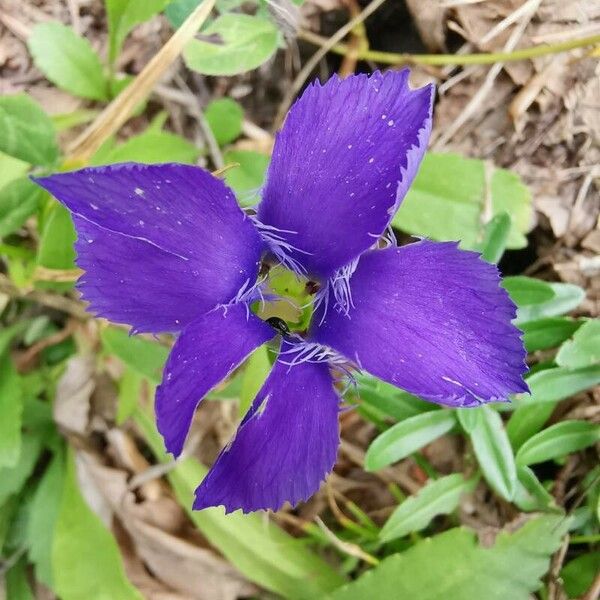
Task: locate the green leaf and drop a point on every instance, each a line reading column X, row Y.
column 255, row 373
column 452, row 566
column 407, row 437
column 439, row 497
column 469, row 418
column 526, row 421
column 11, row 410
column 494, row 453
column 66, row 121
column 17, row 583
column 11, row 169
column 584, row 349
column 567, row 297
column 56, row 245
column 495, row 237
column 224, row 117
column 390, row 400
column 263, row 552
column 68, row 60
column 130, row 388
column 578, row 575
column 18, row 201
column 26, row 132
column 548, row 332
column 525, row 291
column 42, row 519
column 448, row 199
column 12, row 479
column 551, row 385
column 179, row 10
column 558, row 440
column 86, row 562
column 149, row 147
column 124, row 15
column 530, row 494
column 247, row 178
column 244, row 43
column 142, row 355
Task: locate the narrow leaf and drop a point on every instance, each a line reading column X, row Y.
column 558, row 440
column 525, row 291
column 408, row 436
column 547, row 333
column 495, row 237
column 567, row 297
column 584, row 349
column 11, row 410
column 494, row 453
column 440, row 497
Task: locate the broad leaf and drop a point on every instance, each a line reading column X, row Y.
column 124, row 15
column 247, row 176
column 56, row 246
column 11, row 168
column 494, row 453
column 86, row 562
column 26, row 132
column 407, row 437
column 18, row 201
column 224, row 117
column 558, row 440
column 453, row 566
column 68, row 61
column 439, row 497
column 584, row 349
column 149, row 147
column 242, row 43
column 449, row 200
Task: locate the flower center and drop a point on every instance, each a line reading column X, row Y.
column 288, row 300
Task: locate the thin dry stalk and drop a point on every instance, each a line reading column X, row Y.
column 119, row 110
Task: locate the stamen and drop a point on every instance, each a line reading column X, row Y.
column 279, row 247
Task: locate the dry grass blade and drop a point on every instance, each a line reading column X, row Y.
column 118, row 111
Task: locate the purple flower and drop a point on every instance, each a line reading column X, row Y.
column 166, row 248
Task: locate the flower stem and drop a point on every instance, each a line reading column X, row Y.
column 483, row 58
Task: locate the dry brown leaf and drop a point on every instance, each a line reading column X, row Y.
column 185, row 567
column 73, row 392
